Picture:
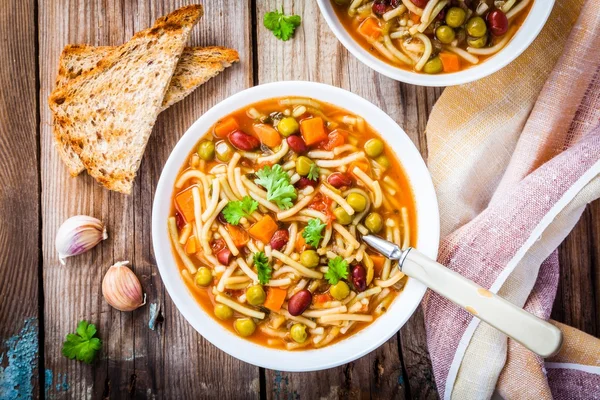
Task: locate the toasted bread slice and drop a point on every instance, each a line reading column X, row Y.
column 107, row 113
column 196, row 66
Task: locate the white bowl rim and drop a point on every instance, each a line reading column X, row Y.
column 347, row 349
column 526, row 34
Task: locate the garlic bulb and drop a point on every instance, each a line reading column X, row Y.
column 122, row 289
column 77, row 235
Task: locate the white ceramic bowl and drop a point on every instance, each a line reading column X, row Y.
column 356, row 345
column 531, row 27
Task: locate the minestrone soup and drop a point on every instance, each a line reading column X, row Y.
column 432, row 36
column 268, row 213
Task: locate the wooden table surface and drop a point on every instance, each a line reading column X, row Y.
column 41, row 300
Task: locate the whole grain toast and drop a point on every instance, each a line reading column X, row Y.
column 106, row 114
column 196, row 66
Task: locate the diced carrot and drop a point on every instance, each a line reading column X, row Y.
column 264, row 229
column 361, row 164
column 275, row 298
column 225, row 127
column 313, row 130
column 370, row 28
column 378, row 262
column 322, row 298
column 335, row 139
column 185, row 204
column 300, row 244
column 267, row 135
column 191, row 245
column 238, row 235
column 450, row 61
column 415, row 18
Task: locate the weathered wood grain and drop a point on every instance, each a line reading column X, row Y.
column 578, row 299
column 19, row 205
column 172, row 360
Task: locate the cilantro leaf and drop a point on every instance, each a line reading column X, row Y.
column 82, row 345
column 338, row 269
column 312, row 233
column 313, row 173
column 235, row 210
column 283, row 26
column 277, row 182
column 262, row 266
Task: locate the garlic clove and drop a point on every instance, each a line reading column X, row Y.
column 122, row 289
column 77, row 235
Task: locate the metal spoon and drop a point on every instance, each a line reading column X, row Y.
column 532, row 332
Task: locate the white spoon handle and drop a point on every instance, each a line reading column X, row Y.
column 532, row 332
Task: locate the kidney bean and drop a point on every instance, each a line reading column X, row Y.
column 359, row 278
column 243, row 141
column 218, row 245
column 395, row 3
column 497, row 22
column 297, row 144
column 179, row 220
column 304, row 182
column 379, row 7
column 420, row 3
column 279, row 239
column 224, row 256
column 299, row 302
column 339, row 179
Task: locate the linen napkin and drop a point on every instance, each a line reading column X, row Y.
column 515, row 159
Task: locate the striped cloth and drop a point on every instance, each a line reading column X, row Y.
column 515, row 159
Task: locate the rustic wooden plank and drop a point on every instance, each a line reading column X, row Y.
column 316, row 55
column 19, row 203
column 578, row 299
column 173, row 360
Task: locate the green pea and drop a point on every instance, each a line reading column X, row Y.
column 373, row 147
column 204, row 276
column 374, row 222
column 224, row 151
column 340, row 290
column 445, row 34
column 255, row 295
column 382, row 159
column 477, row 42
column 206, row 150
column 342, row 216
column 303, row 165
column 455, row 17
column 476, row 27
column 298, row 333
column 309, row 258
column 223, row 312
column 357, row 201
column 244, row 326
column 433, row 66
column 288, row 126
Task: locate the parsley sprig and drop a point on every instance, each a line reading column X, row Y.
column 312, row 234
column 235, row 210
column 283, row 26
column 262, row 266
column 338, row 269
column 313, row 172
column 82, row 345
column 277, row 182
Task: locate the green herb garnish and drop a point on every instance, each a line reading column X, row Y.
column 312, row 234
column 338, row 269
column 235, row 210
column 283, row 26
column 262, row 266
column 313, row 173
column 82, row 345
column 277, row 182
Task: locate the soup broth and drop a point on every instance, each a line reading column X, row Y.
column 267, row 217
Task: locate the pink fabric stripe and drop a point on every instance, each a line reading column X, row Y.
column 568, row 384
column 481, row 249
